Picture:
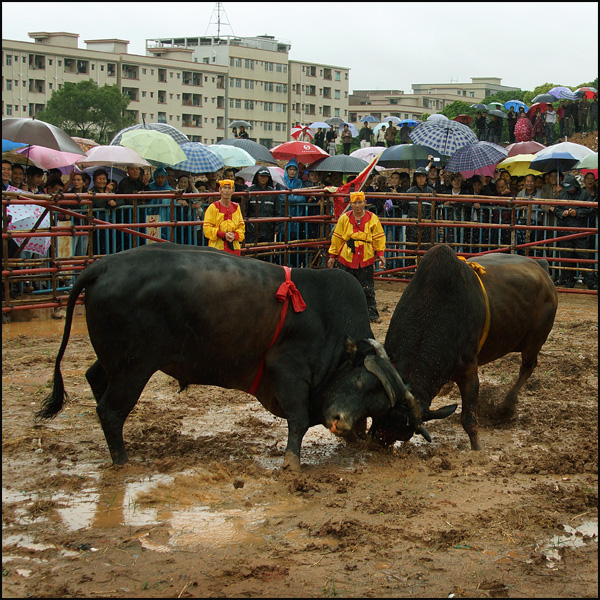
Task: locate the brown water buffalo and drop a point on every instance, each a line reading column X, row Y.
column 450, row 320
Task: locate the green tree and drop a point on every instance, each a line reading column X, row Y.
column 86, row 110
column 458, row 107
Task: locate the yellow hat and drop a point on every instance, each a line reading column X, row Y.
column 357, row 196
column 229, row 182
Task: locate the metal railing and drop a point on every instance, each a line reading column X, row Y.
column 79, row 234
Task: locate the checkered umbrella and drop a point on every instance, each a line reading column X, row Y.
column 444, row 136
column 475, row 156
column 200, row 159
column 179, row 137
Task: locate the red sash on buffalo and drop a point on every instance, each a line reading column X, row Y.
column 286, row 289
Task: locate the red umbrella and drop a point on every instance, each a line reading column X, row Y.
column 588, row 92
column 528, row 147
column 303, row 152
column 543, row 106
column 302, row 131
column 464, row 119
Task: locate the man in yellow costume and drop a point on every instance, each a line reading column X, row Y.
column 358, row 240
column 224, row 225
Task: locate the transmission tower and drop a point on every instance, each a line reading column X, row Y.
column 219, row 18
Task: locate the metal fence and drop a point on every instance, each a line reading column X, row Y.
column 79, row 234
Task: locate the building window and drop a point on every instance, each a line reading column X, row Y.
column 337, row 94
column 9, row 109
column 338, row 75
column 9, row 84
column 8, row 63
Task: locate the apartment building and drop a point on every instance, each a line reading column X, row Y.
column 427, row 98
column 198, row 85
column 264, row 87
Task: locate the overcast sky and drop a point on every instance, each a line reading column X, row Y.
column 387, row 45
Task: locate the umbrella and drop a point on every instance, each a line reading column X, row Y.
column 24, row 217
column 563, row 93
column 464, row 119
column 409, row 156
column 48, row 158
column 303, row 152
column 200, row 159
column 39, row 133
column 444, row 136
column 437, row 117
column 240, row 124
column 518, row 165
column 340, row 163
column 114, row 173
column 179, row 137
column 475, row 156
column 233, row 156
column 588, row 92
column 7, row 145
column 319, row 125
column 154, row 146
column 491, row 105
column 112, row 156
column 480, row 107
column 301, row 131
column 367, row 153
column 334, row 121
column 84, row 143
column 394, row 120
column 543, row 106
column 14, row 157
column 351, row 127
column 256, row 150
column 497, row 113
column 548, row 98
column 409, row 122
column 530, row 147
column 369, row 119
column 588, row 162
column 515, row 104
column 560, row 157
column 276, row 173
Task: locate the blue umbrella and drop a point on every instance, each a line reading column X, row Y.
column 444, row 136
column 200, row 159
column 409, row 122
column 475, row 156
column 369, row 119
column 515, row 104
column 7, row 145
column 179, row 137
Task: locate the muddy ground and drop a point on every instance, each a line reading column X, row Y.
column 204, row 510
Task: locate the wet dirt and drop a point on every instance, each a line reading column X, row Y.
column 204, row 509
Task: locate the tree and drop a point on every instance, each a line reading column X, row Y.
column 88, row 111
column 458, row 107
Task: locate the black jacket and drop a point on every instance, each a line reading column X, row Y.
column 262, row 206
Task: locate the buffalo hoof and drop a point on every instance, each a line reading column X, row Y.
column 291, row 462
column 506, row 413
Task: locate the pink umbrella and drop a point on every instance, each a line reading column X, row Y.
column 367, row 153
column 115, row 156
column 23, row 218
column 49, row 158
column 529, row 147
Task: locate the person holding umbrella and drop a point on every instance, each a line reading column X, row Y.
column 358, row 240
column 511, row 118
column 346, row 136
column 480, row 125
column 224, row 225
column 243, row 134
column 523, row 128
column 365, row 136
column 573, row 216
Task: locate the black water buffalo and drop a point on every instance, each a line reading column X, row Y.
column 444, row 326
column 206, row 317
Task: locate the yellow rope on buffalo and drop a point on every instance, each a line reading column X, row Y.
column 479, row 270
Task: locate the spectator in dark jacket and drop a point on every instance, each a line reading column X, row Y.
column 262, row 206
column 573, row 216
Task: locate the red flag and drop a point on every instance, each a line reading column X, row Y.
column 340, row 203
